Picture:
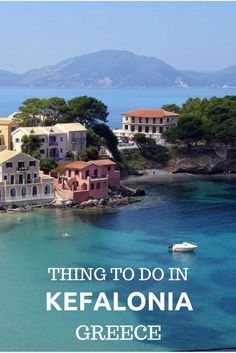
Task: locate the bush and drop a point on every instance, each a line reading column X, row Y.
column 89, row 153
column 47, row 164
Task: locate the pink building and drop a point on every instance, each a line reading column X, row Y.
column 84, row 180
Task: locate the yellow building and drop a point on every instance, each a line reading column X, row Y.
column 7, row 126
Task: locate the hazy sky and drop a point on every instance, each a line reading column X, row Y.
column 197, row 35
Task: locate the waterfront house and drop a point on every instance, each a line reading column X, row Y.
column 7, row 126
column 56, row 140
column 21, row 181
column 151, row 122
column 82, row 181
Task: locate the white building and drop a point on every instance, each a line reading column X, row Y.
column 21, row 181
column 56, row 140
column 151, row 122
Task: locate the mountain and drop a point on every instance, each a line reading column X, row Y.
column 114, row 68
column 8, row 78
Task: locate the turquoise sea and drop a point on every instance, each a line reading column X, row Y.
column 118, row 100
column 176, row 208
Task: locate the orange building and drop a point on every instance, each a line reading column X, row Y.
column 7, row 126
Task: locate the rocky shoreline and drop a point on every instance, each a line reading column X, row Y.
column 119, row 196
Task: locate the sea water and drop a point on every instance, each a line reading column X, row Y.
column 118, row 100
column 175, row 209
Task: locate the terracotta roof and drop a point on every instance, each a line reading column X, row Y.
column 104, row 162
column 149, row 113
column 77, row 165
column 82, row 165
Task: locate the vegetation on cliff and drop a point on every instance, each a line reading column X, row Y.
column 208, row 121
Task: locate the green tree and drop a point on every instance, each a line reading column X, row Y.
column 87, row 110
column 140, row 140
column 30, row 145
column 93, row 139
column 189, row 130
column 109, row 139
column 31, row 112
column 156, row 153
column 56, row 111
column 89, row 153
column 174, row 108
column 47, row 164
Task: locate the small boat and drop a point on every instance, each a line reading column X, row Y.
column 183, row 247
column 66, row 235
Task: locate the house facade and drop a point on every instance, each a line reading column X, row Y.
column 21, row 181
column 84, row 180
column 7, row 126
column 151, row 122
column 56, row 140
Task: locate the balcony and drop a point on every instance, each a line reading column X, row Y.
column 52, row 144
column 22, row 169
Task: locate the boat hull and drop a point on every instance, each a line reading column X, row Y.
column 184, row 247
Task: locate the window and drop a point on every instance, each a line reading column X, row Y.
column 61, row 150
column 167, row 120
column 161, row 130
column 109, row 168
column 13, row 192
column 132, row 120
column 32, row 163
column 35, row 175
column 98, row 186
column 87, row 173
column 146, row 120
column 161, row 120
column 21, row 165
column 69, row 173
column 132, row 128
column 92, row 186
column 154, row 120
column 126, row 127
column 9, row 165
column 140, row 120
column 12, row 179
column 146, row 128
column 34, row 190
column 23, row 191
column 61, row 139
column 140, row 129
column 20, row 179
column 42, row 139
column 154, row 129
column 5, row 177
column 47, row 189
column 42, row 151
column 77, row 172
column 17, row 140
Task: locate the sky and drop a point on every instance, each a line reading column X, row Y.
column 198, row 36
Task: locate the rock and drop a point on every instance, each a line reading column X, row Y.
column 127, row 191
column 197, row 169
column 227, row 166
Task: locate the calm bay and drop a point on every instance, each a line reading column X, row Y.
column 176, row 208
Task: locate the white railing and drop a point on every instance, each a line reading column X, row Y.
column 28, row 198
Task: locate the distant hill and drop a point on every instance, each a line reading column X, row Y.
column 8, row 78
column 114, row 68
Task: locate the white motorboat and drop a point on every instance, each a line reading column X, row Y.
column 183, row 247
